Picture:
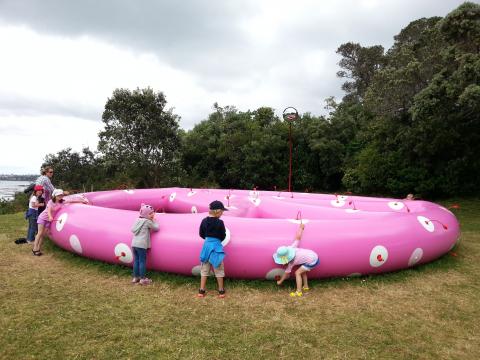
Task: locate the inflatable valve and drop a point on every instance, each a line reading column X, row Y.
column 379, row 257
column 122, row 254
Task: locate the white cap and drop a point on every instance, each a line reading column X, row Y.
column 57, row 192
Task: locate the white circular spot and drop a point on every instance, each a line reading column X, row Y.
column 351, row 211
column 231, row 207
column 75, row 244
column 396, row 205
column 254, row 193
column 426, row 223
column 130, row 192
column 342, row 197
column 255, row 201
column 123, row 253
column 278, row 197
column 354, row 275
column 275, row 274
column 61, row 221
column 194, row 210
column 196, row 270
column 378, row 256
column 227, row 237
column 172, row 196
column 302, row 221
column 229, row 196
column 337, row 203
column 191, row 193
column 415, row 257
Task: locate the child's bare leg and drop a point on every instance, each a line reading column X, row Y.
column 40, row 241
column 36, row 246
column 203, row 282
column 298, row 278
column 305, row 280
column 220, row 283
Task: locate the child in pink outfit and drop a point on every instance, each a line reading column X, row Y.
column 292, row 256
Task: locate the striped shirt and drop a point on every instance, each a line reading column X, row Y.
column 47, row 186
column 302, row 256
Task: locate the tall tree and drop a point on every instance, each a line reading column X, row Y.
column 141, row 137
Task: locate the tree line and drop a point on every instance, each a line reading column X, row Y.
column 409, row 123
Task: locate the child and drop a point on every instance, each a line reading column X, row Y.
column 293, row 255
column 141, row 243
column 35, row 202
column 213, row 231
column 45, row 219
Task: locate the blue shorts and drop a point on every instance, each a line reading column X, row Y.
column 310, row 266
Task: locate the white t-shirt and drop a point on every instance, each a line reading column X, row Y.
column 31, row 203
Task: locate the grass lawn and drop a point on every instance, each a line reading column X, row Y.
column 62, row 306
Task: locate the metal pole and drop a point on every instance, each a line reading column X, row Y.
column 290, row 169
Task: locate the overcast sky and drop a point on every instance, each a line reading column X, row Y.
column 61, row 60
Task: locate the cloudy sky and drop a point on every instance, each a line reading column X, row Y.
column 61, row 60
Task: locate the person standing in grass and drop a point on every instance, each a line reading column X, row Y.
column 44, row 180
column 213, row 231
column 141, row 243
column 45, row 219
column 35, row 202
column 293, row 255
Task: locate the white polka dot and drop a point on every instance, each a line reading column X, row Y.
column 351, row 211
column 415, row 257
column 61, row 221
column 254, row 193
column 278, row 197
column 255, row 201
column 191, row 193
column 196, row 270
column 194, row 210
column 231, row 207
column 275, row 274
column 75, row 244
column 123, row 253
column 378, row 256
column 172, row 196
column 354, row 275
column 295, row 221
column 396, row 205
column 426, row 223
column 129, row 192
column 227, row 237
column 230, row 196
column 337, row 203
column 342, row 197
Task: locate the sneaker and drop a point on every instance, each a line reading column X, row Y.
column 135, row 280
column 221, row 293
column 145, row 281
column 201, row 293
column 305, row 289
column 296, row 293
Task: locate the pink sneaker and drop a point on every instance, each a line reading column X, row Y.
column 145, row 281
column 135, row 280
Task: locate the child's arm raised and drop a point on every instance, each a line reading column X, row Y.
column 299, row 234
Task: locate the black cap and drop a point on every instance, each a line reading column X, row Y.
column 217, row 205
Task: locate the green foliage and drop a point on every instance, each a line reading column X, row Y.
column 18, row 204
column 141, row 137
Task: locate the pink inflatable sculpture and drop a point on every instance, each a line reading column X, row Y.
column 352, row 235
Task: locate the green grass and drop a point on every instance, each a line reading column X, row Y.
column 62, row 306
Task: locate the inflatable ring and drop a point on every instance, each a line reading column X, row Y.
column 352, row 235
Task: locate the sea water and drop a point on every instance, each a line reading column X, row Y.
column 9, row 188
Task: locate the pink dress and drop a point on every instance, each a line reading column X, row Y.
column 43, row 217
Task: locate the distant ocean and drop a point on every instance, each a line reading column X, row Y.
column 9, row 188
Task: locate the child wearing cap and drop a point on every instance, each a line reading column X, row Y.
column 141, row 243
column 293, row 255
column 212, row 230
column 34, row 203
column 45, row 219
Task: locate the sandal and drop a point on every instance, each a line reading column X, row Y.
column 221, row 293
column 296, row 293
column 37, row 253
column 201, row 293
